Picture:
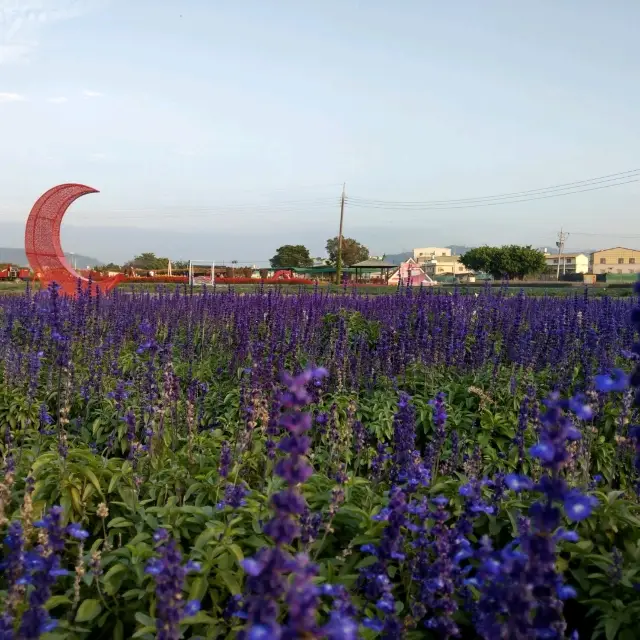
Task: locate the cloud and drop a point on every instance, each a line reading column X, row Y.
column 59, row 100
column 11, row 97
column 92, row 94
column 97, row 157
column 22, row 23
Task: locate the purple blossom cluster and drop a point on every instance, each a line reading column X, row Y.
column 428, row 568
column 169, row 573
column 521, row 591
column 32, row 573
column 274, row 576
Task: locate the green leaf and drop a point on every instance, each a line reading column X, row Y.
column 206, row 536
column 93, row 479
column 611, row 627
column 115, row 570
column 119, row 522
column 198, row 588
column 88, row 610
column 231, row 582
column 365, row 562
column 237, row 552
column 118, row 631
column 55, row 601
column 145, row 620
column 114, row 481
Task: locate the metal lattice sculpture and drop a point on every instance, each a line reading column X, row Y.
column 42, row 240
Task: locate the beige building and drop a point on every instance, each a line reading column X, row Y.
column 445, row 266
column 425, row 254
column 569, row 263
column 615, row 260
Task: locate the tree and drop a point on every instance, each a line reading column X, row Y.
column 522, row 261
column 352, row 251
column 480, row 259
column 111, row 266
column 510, row 261
column 292, row 255
column 149, row 262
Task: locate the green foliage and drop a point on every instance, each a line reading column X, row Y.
column 110, row 266
column 352, row 251
column 511, row 261
column 292, row 255
column 176, row 485
column 148, row 261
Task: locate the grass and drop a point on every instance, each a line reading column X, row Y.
column 535, row 289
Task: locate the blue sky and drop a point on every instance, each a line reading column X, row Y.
column 231, row 125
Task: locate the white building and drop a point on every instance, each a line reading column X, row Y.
column 425, row 254
column 445, row 266
column 569, row 262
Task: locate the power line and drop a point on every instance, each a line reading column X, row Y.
column 185, row 213
column 298, row 206
column 612, row 235
column 613, row 177
column 484, row 204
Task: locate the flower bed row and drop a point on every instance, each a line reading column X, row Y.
column 220, row 281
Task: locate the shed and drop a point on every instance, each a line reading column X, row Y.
column 372, row 265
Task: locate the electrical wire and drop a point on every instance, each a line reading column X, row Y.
column 613, row 235
column 613, row 177
column 483, row 204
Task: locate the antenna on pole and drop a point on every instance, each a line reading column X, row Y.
column 339, row 257
column 562, row 238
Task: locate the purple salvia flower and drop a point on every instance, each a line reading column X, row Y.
column 225, row 460
column 43, row 566
column 168, row 573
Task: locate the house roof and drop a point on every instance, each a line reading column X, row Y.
column 614, row 248
column 445, row 259
column 373, row 264
column 564, row 255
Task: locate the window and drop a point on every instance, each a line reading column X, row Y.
column 569, row 260
column 555, row 261
column 603, row 261
column 620, row 260
column 632, row 260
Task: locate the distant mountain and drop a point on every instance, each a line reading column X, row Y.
column 458, row 249
column 18, row 256
column 398, row 258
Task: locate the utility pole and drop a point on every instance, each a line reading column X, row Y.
column 339, row 258
column 562, row 238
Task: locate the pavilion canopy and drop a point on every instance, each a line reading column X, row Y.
column 374, row 264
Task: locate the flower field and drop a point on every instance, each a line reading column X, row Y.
column 315, row 465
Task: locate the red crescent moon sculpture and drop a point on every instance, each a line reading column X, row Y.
column 42, row 240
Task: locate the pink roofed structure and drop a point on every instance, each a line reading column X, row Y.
column 411, row 274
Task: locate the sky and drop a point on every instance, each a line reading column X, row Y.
column 221, row 130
